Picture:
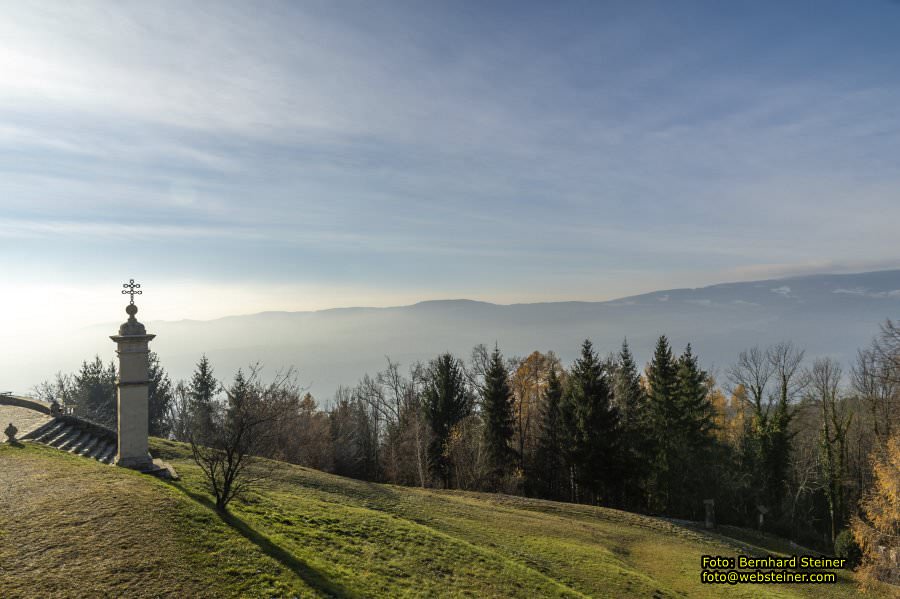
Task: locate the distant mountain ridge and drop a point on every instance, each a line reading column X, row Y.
column 826, row 314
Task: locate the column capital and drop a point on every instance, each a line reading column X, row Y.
column 132, row 339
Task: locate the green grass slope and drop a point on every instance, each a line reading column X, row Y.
column 71, row 527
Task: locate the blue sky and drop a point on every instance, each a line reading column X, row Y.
column 252, row 156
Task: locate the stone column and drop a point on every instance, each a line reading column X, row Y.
column 132, row 392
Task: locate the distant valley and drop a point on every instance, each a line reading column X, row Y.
column 825, row 314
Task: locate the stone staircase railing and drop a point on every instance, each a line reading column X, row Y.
column 24, row 402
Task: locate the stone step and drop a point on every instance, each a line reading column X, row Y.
column 64, row 435
column 86, row 448
column 108, row 454
column 78, row 436
column 100, row 450
column 48, row 431
column 85, row 439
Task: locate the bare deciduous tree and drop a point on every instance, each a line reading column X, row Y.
column 753, row 371
column 178, row 413
column 825, row 389
column 790, row 380
column 61, row 390
column 876, row 380
column 887, row 350
column 226, row 450
column 395, row 406
column 469, row 455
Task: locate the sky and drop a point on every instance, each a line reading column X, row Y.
column 251, row 156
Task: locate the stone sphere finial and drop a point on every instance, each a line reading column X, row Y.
column 132, row 326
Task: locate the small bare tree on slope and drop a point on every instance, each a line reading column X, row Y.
column 237, row 430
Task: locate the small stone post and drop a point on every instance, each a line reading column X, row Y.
column 132, row 388
column 710, row 505
column 10, row 433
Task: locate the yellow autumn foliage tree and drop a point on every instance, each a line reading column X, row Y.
column 877, row 528
column 729, row 414
column 528, row 383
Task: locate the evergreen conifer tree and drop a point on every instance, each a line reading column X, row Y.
column 202, row 392
column 447, row 401
column 631, row 401
column 160, row 395
column 239, row 389
column 662, row 387
column 694, row 431
column 95, row 392
column 595, row 447
column 549, row 470
column 497, row 416
column 682, row 425
column 695, row 409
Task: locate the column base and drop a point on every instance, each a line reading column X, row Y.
column 142, row 463
column 157, row 467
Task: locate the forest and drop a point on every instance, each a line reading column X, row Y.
column 807, row 449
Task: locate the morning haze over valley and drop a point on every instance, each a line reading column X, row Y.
column 334, row 298
column 829, row 315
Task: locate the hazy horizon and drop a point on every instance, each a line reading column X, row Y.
column 414, row 302
column 827, row 315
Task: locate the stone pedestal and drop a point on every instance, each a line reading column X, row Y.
column 133, row 393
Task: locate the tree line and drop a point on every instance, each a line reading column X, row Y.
column 793, row 446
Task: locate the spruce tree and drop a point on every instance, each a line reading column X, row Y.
column 631, row 401
column 662, row 382
column 549, row 468
column 694, row 431
column 240, row 388
column 160, row 395
column 628, row 394
column 497, row 415
column 595, row 430
column 682, row 425
column 447, row 401
column 568, row 433
column 662, row 387
column 95, row 392
column 695, row 409
column 203, row 390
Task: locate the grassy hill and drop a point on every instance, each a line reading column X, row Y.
column 72, row 527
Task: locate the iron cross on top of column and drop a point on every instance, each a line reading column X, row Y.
column 132, row 289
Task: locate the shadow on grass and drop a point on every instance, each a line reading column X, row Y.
column 307, row 573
